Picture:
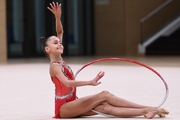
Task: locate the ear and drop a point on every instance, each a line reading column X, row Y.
column 47, row 49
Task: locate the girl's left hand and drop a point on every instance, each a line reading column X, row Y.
column 55, row 8
column 95, row 81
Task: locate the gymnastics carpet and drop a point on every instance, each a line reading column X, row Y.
column 27, row 93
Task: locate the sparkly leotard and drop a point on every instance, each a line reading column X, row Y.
column 63, row 94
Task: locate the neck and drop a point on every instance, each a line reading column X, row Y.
column 56, row 59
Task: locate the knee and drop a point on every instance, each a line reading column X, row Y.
column 105, row 94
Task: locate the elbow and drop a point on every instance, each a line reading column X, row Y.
column 59, row 30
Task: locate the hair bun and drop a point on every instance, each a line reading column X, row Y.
column 41, row 40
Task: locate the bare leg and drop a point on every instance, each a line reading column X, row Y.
column 119, row 102
column 84, row 105
column 89, row 113
column 127, row 112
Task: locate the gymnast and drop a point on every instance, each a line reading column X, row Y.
column 67, row 105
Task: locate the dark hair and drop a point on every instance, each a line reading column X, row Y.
column 43, row 42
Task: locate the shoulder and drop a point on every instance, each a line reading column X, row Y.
column 55, row 68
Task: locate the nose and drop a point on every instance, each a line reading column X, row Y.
column 60, row 44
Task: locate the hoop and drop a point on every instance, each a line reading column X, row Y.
column 130, row 61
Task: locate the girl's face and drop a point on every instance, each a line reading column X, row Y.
column 54, row 45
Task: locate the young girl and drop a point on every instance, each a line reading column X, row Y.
column 66, row 103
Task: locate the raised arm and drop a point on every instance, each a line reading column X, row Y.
column 55, row 8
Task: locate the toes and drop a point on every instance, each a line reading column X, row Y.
column 163, row 111
column 161, row 115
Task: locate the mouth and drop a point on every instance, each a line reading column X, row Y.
column 59, row 48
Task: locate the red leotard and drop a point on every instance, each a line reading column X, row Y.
column 63, row 94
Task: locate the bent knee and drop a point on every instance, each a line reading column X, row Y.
column 105, row 93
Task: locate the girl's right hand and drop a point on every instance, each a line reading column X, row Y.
column 95, row 81
column 55, row 8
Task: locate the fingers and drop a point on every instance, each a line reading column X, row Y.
column 98, row 83
column 100, row 74
column 59, row 5
column 54, row 6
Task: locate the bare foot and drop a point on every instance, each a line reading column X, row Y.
column 151, row 113
column 162, row 112
column 161, row 115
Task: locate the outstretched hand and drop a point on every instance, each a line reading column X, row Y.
column 95, row 81
column 55, row 8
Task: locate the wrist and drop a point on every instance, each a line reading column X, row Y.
column 57, row 16
column 90, row 82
